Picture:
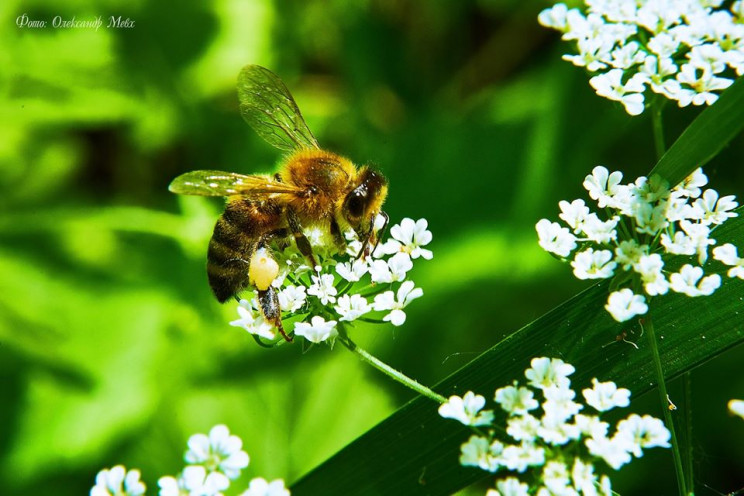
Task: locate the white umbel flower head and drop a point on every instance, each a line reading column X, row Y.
column 687, row 51
column 549, row 449
column 645, row 223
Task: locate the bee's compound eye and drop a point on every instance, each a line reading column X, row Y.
column 263, row 269
column 355, row 204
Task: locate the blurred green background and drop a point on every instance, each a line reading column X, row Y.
column 113, row 350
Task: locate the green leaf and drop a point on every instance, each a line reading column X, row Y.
column 415, row 452
column 705, row 137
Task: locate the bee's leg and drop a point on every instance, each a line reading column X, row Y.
column 302, row 243
column 268, row 302
column 370, row 238
column 338, row 238
column 378, row 235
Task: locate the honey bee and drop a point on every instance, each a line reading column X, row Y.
column 313, row 188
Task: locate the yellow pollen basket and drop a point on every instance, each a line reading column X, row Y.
column 262, row 270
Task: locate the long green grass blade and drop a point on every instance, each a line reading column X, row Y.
column 705, row 136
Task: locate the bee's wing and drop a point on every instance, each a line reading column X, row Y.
column 267, row 105
column 218, row 183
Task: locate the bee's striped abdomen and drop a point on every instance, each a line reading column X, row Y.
column 233, row 241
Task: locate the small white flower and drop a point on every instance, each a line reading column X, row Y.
column 117, row 481
column 291, row 298
column 409, row 237
column 194, row 480
column 516, row 400
column 323, row 288
column 680, row 244
column 388, row 301
column 599, row 231
column 546, row 372
column 703, row 82
column 554, row 17
column 582, row 475
column 219, row 451
column 690, row 281
column 252, row 321
column 591, row 264
column 394, row 270
column 352, row 307
column 318, row 330
column 523, row 427
column 690, row 187
column 352, row 271
column 605, row 396
column 559, row 405
column 511, row 486
column 628, row 253
column 591, row 426
column 716, row 210
column 698, row 234
column 555, row 477
column 624, row 305
column 555, row 430
column 650, row 269
column 573, row 213
column 467, row 410
column 613, row 451
column 642, row 432
column 736, row 407
column 261, row 487
column 554, row 238
column 480, row 452
column 602, row 185
column 518, row 458
column 630, row 94
column 727, row 255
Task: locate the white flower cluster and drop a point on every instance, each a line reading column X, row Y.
column 684, row 50
column 557, row 445
column 645, row 219
column 342, row 288
column 213, row 461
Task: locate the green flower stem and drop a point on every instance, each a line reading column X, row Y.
column 686, row 420
column 388, row 370
column 664, row 397
column 658, row 126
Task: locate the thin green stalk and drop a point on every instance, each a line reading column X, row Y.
column 664, row 397
column 389, row 371
column 686, row 419
column 658, row 126
column 687, row 423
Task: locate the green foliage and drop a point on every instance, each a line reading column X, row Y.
column 112, row 349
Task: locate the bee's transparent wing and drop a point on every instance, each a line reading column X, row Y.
column 219, row 183
column 267, row 105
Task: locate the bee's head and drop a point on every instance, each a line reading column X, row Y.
column 364, row 202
